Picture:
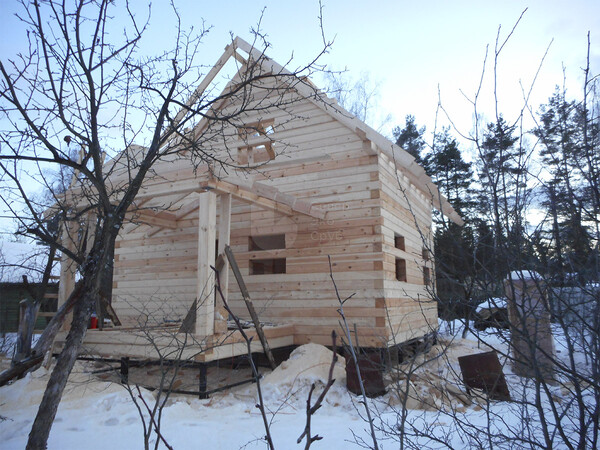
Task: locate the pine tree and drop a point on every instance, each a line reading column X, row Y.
column 410, row 138
column 451, row 173
column 501, row 197
column 453, row 243
column 569, row 197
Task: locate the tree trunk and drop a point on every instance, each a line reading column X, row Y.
column 82, row 311
column 44, row 343
column 38, row 437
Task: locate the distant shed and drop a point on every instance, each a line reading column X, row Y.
column 18, row 259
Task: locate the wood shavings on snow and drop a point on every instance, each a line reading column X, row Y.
column 307, row 364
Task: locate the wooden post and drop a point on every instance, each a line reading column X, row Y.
column 205, row 287
column 86, row 246
column 68, row 268
column 245, row 294
column 27, row 314
column 531, row 340
column 224, row 233
column 202, row 382
column 125, row 370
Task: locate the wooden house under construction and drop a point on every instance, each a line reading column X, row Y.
column 306, row 188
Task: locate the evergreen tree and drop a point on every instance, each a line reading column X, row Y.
column 453, row 244
column 501, row 169
column 410, row 138
column 451, row 173
column 569, row 194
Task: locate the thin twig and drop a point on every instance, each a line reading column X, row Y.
column 353, row 353
column 261, row 404
column 156, row 427
column 310, row 410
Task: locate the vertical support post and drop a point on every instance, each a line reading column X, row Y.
column 224, row 235
column 532, row 344
column 28, row 310
column 203, row 384
column 205, row 287
column 125, row 370
column 68, row 268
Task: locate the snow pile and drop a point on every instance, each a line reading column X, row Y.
column 87, row 407
column 524, row 275
column 497, row 302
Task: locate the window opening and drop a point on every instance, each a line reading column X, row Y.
column 425, row 253
column 259, row 152
column 399, row 242
column 426, row 276
column 266, row 242
column 400, row 269
column 267, row 266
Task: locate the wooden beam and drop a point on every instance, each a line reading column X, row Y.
column 187, row 209
column 162, row 219
column 68, row 267
column 193, row 206
column 265, row 196
column 221, row 314
column 250, row 306
column 210, row 76
column 205, row 286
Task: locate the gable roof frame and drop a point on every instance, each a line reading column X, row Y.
column 375, row 142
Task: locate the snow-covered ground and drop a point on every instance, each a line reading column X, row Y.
column 97, row 414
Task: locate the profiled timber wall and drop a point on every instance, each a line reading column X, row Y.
column 323, row 161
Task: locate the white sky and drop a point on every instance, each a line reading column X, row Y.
column 409, row 47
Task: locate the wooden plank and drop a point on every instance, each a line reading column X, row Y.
column 205, row 312
column 236, row 189
column 221, row 314
column 28, row 310
column 208, row 78
column 249, row 305
column 68, row 267
column 162, row 219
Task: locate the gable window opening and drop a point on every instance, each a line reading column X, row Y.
column 400, row 269
column 256, row 129
column 259, row 152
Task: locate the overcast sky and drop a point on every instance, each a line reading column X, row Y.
column 408, row 47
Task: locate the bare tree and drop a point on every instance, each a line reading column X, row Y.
column 359, row 97
column 555, row 394
column 79, row 86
